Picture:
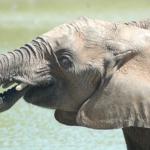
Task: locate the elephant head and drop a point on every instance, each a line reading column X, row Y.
column 93, row 73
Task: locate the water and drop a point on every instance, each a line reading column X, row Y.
column 28, row 127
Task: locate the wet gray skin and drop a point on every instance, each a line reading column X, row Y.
column 33, row 63
column 64, row 67
column 15, row 69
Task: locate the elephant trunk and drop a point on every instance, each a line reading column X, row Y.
column 11, row 64
column 21, row 66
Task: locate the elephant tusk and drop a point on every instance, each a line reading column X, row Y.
column 21, row 86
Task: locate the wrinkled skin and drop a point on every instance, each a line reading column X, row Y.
column 93, row 73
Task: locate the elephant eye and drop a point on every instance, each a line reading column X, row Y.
column 65, row 62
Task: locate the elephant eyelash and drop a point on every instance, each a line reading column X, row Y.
column 65, row 61
column 64, row 53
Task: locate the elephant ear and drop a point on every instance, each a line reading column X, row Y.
column 121, row 100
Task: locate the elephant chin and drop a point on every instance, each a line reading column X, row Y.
column 66, row 117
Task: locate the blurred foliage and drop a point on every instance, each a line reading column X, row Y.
column 22, row 20
column 71, row 5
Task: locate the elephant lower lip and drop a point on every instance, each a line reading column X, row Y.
column 31, row 95
column 40, row 95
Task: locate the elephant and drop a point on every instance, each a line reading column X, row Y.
column 93, row 73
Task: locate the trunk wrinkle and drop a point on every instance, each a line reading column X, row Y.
column 32, row 49
column 25, row 61
column 38, row 46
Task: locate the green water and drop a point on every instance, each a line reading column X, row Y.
column 27, row 127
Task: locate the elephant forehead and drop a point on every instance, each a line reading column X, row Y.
column 64, row 29
column 60, row 37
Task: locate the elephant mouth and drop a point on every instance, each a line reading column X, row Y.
column 16, row 88
column 8, row 86
column 12, row 91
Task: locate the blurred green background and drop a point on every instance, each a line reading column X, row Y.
column 28, row 127
column 21, row 20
